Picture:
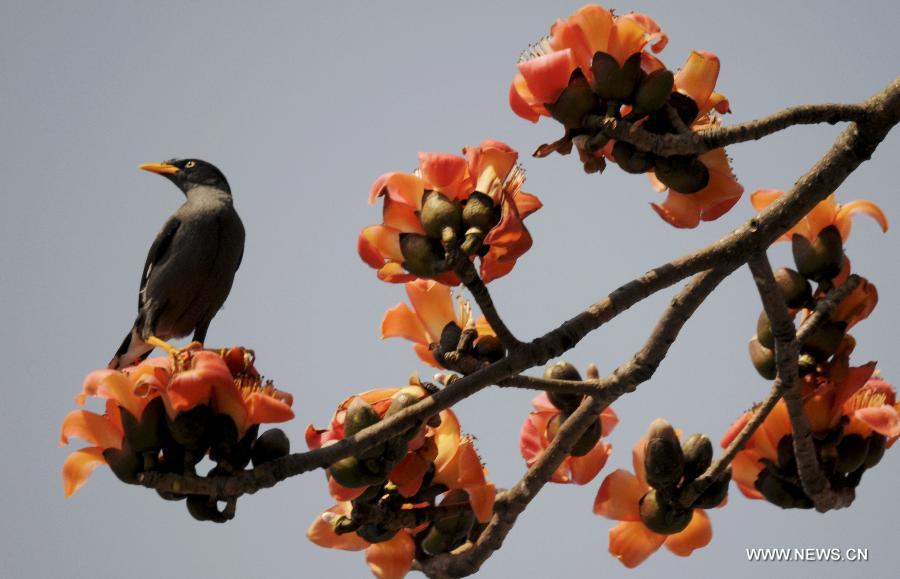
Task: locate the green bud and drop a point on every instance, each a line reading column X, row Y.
column 663, row 518
column 271, row 445
column 654, row 91
column 630, row 159
column 763, row 359
column 713, row 496
column 794, row 287
column 780, row 492
column 698, row 453
column 575, row 101
column 613, row 82
column 360, row 415
column 489, row 348
column 663, row 457
column 852, row 451
column 375, row 533
column 438, row 212
column 588, row 440
column 822, row 259
column 563, row 370
column 682, row 173
column 400, row 401
column 764, row 331
column 875, row 449
column 480, row 211
column 473, row 242
column 151, row 431
column 422, row 256
column 351, row 473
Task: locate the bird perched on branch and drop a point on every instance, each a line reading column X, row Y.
column 191, row 264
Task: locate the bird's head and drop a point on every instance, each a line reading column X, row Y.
column 190, row 173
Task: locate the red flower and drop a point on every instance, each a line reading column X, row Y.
column 827, row 212
column 419, row 209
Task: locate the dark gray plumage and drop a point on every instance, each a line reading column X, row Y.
column 191, row 265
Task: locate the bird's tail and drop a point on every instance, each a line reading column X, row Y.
column 133, row 350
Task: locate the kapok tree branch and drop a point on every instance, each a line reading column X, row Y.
column 855, row 145
column 466, row 272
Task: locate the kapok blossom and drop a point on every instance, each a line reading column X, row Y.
column 697, row 80
column 536, row 435
column 225, row 380
column 432, row 310
column 827, row 212
column 407, row 239
column 545, row 70
column 631, row 541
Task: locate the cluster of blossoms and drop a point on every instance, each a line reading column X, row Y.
column 594, row 68
column 852, row 412
column 414, row 496
column 167, row 413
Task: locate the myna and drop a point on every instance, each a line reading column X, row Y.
column 191, row 264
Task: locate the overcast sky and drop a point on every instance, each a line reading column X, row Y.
column 302, row 105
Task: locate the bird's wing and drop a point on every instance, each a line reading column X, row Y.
column 157, row 253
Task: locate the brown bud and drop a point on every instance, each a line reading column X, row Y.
column 489, row 348
column 125, row 463
column 480, row 211
column 682, row 173
column 352, row 473
column 359, row 416
column 713, row 496
column 375, row 533
column 663, row 457
column 654, row 91
column 875, row 449
column 438, row 212
column 822, row 259
column 150, row 432
column 663, row 518
column 698, row 453
column 826, row 340
column 852, row 451
column 764, row 331
column 613, row 82
column 794, row 287
column 271, row 445
column 421, row 256
column 630, row 159
column 575, row 101
column 763, row 359
column 563, row 370
column 780, row 492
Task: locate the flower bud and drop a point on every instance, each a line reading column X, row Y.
column 489, row 348
column 821, row 259
column 613, row 82
column 781, row 492
column 151, row 431
column 654, row 91
column 588, row 440
column 449, row 531
column 360, row 415
column 698, row 453
column 763, row 359
column 401, row 400
column 682, row 173
column 438, row 213
column 480, row 211
column 852, row 452
column 663, row 457
column 375, row 533
column 875, row 449
column 222, row 434
column 630, row 159
column 713, row 496
column 125, row 463
column 826, row 340
column 575, row 101
column 271, row 445
column 351, row 473
column 450, row 336
column 764, row 331
column 203, row 508
column 663, row 518
column 188, row 428
column 421, row 256
column 794, row 287
column 563, row 370
column 435, row 542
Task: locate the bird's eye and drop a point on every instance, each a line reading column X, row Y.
column 189, row 165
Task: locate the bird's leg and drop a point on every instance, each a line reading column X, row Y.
column 200, row 332
column 157, row 343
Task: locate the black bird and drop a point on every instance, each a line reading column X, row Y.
column 191, row 264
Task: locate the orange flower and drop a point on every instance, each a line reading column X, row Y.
column 858, row 305
column 873, row 408
column 631, row 542
column 432, row 310
column 391, row 559
column 535, row 437
column 697, row 79
column 763, row 444
column 408, row 244
column 226, row 380
column 827, row 212
column 545, row 70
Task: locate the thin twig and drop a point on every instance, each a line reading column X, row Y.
column 470, row 278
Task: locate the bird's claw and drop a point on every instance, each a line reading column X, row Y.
column 157, row 343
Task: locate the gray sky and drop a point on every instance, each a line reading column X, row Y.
column 302, row 106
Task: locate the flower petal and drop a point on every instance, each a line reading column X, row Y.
column 378, row 243
column 393, row 558
column 842, row 219
column 322, row 533
column 585, row 468
column 619, row 497
column 266, row 409
column 404, row 188
column 632, row 542
column 446, row 173
column 517, row 102
column 696, row 535
column 883, row 419
column 547, row 76
column 94, row 428
column 433, row 306
column 697, row 78
column 78, row 467
column 401, row 322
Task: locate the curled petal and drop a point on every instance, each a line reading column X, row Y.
column 884, row 420
column 619, row 497
column 626, row 38
column 95, row 429
column 266, row 409
column 696, row 535
column 697, row 78
column 404, row 188
column 526, row 203
column 401, row 217
column 608, row 421
column 378, row 243
column 547, row 76
column 322, row 533
column 632, row 542
column 401, row 322
column 446, row 173
column 425, row 354
column 568, row 35
column 433, row 306
column 78, row 467
column 481, row 498
column 393, row 558
column 393, row 272
column 657, row 39
column 596, row 22
column 518, row 103
column 112, row 385
column 842, row 219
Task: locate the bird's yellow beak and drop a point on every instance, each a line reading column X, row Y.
column 161, row 168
